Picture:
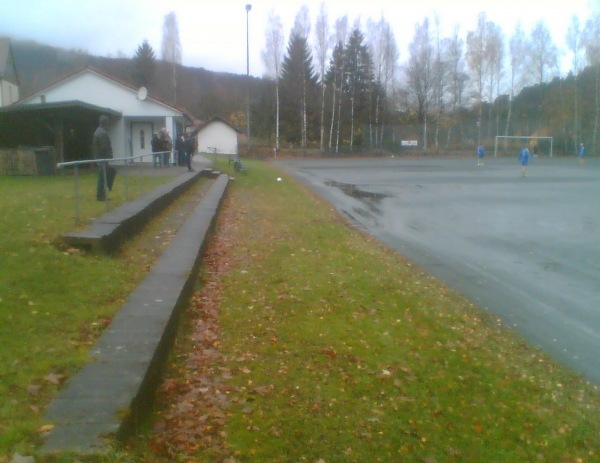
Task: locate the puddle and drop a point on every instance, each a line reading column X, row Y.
column 354, row 191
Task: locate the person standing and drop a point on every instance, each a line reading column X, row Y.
column 524, row 160
column 155, row 149
column 180, row 149
column 480, row 155
column 166, row 145
column 102, row 150
column 189, row 150
column 581, row 153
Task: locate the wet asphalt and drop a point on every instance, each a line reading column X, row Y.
column 526, row 249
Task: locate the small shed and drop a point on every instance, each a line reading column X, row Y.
column 217, row 136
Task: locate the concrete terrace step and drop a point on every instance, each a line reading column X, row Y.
column 107, row 233
column 110, row 394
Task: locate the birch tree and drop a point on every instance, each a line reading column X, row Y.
column 574, row 42
column 458, row 79
column 337, row 79
column 322, row 46
column 517, row 49
column 476, row 47
column 302, row 31
column 171, row 46
column 272, row 57
column 419, row 73
column 591, row 42
column 385, row 55
column 543, row 52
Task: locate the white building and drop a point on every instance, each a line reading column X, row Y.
column 217, row 136
column 134, row 115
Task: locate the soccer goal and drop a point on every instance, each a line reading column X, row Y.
column 509, row 145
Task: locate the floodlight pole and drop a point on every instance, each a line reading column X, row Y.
column 248, row 8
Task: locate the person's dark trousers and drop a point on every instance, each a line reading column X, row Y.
column 188, row 161
column 111, row 173
column 166, row 159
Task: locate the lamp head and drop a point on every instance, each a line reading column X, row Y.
column 248, row 7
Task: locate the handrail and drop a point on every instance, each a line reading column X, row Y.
column 103, row 163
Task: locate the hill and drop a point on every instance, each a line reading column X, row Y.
column 199, row 91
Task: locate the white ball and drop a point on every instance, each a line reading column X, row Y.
column 279, row 179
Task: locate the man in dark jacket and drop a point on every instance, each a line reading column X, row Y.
column 102, row 149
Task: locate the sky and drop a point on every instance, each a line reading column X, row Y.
column 213, row 33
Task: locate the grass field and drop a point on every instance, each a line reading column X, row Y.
column 332, row 348
column 324, row 346
column 53, row 300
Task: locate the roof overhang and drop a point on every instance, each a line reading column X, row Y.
column 58, row 108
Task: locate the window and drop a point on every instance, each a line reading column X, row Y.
column 142, row 140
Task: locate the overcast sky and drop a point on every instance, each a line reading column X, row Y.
column 213, row 32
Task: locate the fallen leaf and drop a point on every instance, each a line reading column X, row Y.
column 53, row 378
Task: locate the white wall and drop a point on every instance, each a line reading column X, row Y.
column 93, row 88
column 217, row 134
column 9, row 93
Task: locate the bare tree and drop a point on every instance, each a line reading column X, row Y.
column 341, row 32
column 544, row 54
column 476, row 47
column 575, row 44
column 591, row 41
column 385, row 54
column 419, row 73
column 171, row 46
column 517, row 48
column 322, row 46
column 272, row 56
column 494, row 53
column 458, row 79
column 302, row 29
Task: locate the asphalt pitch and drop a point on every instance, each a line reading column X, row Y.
column 526, row 249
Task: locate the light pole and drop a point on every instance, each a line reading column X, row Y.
column 248, row 8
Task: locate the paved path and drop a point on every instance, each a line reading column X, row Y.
column 527, row 249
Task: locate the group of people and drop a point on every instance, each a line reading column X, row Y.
column 524, row 156
column 161, row 148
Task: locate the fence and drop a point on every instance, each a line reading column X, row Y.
column 103, row 163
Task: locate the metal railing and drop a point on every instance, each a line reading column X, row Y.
column 103, row 163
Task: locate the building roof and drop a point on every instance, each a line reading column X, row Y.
column 57, row 107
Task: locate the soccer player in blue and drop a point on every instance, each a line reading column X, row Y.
column 480, row 155
column 581, row 153
column 524, row 160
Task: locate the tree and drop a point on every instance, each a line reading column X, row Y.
column 476, row 47
column 359, row 75
column 272, row 57
column 144, row 63
column 591, row 42
column 298, row 85
column 544, row 54
column 171, row 46
column 322, row 45
column 385, row 54
column 574, row 42
column 458, row 80
column 516, row 51
column 336, row 78
column 419, row 73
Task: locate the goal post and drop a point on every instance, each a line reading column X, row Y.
column 511, row 144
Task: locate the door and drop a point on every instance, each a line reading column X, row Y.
column 141, row 137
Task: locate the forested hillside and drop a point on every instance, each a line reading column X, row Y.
column 349, row 108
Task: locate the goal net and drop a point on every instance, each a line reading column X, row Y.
column 510, row 146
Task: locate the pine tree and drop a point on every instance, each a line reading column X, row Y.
column 298, row 90
column 144, row 63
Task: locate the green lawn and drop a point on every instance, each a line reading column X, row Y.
column 53, row 300
column 335, row 349
column 330, row 347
